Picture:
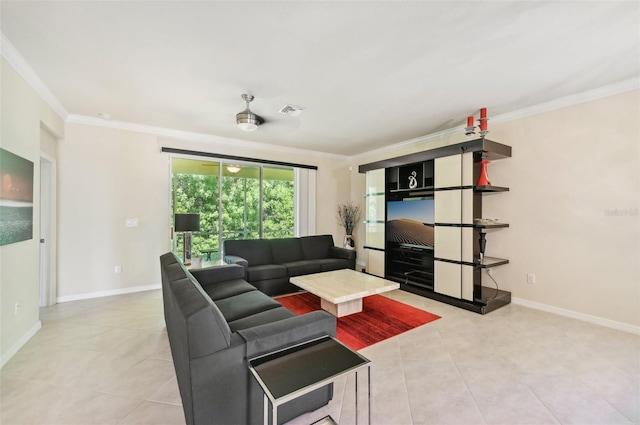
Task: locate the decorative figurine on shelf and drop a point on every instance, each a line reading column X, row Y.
column 483, row 245
column 483, row 180
column 413, row 182
column 348, row 216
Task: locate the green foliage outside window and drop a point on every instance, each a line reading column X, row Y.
column 240, row 196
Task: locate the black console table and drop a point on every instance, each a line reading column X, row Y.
column 292, row 372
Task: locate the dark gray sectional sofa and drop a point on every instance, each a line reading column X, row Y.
column 215, row 322
column 269, row 263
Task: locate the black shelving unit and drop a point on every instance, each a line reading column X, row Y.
column 412, row 176
column 489, row 189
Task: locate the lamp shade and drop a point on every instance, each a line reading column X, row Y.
column 187, row 222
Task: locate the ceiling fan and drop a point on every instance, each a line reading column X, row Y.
column 247, row 120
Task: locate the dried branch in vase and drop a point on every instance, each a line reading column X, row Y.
column 348, row 216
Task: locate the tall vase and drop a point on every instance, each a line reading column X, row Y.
column 483, row 180
column 349, row 243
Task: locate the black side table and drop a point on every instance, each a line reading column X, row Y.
column 294, row 371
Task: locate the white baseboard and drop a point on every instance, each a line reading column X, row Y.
column 625, row 327
column 108, row 293
column 18, row 345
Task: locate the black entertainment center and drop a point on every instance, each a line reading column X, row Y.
column 433, row 224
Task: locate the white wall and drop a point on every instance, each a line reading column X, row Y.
column 571, row 170
column 107, row 175
column 22, row 114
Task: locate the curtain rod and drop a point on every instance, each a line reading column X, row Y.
column 237, row 158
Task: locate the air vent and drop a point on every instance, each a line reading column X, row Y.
column 291, row 110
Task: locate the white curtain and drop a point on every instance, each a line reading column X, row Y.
column 305, row 202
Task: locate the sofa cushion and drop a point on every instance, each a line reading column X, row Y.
column 274, row 287
column 228, row 288
column 256, row 251
column 218, row 273
column 315, row 247
column 206, row 329
column 247, row 304
column 297, row 268
column 175, row 271
column 261, row 318
column 286, row 250
column 328, row 264
column 266, row 271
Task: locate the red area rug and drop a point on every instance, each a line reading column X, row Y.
column 381, row 318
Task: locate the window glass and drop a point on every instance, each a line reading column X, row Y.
column 277, row 203
column 195, row 190
column 235, row 201
column 240, row 202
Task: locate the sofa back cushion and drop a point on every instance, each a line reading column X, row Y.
column 256, row 251
column 190, row 312
column 316, row 247
column 286, row 250
column 199, row 318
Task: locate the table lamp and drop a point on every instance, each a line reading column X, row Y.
column 187, row 223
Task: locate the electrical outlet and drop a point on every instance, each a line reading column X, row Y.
column 117, row 269
column 531, row 278
column 16, row 309
column 490, row 271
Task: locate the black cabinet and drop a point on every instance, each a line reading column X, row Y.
column 410, row 266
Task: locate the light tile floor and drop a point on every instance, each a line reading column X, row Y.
column 107, row 361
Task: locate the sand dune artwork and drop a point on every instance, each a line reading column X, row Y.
column 412, row 232
column 16, row 198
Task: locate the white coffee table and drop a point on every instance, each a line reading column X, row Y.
column 341, row 291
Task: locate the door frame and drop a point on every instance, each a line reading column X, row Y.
column 48, row 220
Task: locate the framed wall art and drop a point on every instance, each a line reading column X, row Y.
column 16, row 198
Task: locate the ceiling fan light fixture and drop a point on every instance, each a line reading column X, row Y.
column 247, row 120
column 233, row 169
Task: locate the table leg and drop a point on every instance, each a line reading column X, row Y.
column 369, row 392
column 342, row 309
column 356, row 397
column 265, row 412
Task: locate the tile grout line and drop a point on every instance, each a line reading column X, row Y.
column 484, row 418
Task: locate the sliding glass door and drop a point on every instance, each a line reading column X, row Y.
column 196, row 189
column 234, row 201
column 240, row 202
column 277, row 203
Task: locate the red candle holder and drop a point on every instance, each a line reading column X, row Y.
column 483, row 122
column 470, row 128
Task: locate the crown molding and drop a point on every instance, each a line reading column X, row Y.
column 17, row 61
column 563, row 102
column 22, row 67
column 571, row 100
column 195, row 137
column 407, row 143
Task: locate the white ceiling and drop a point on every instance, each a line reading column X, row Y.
column 370, row 74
